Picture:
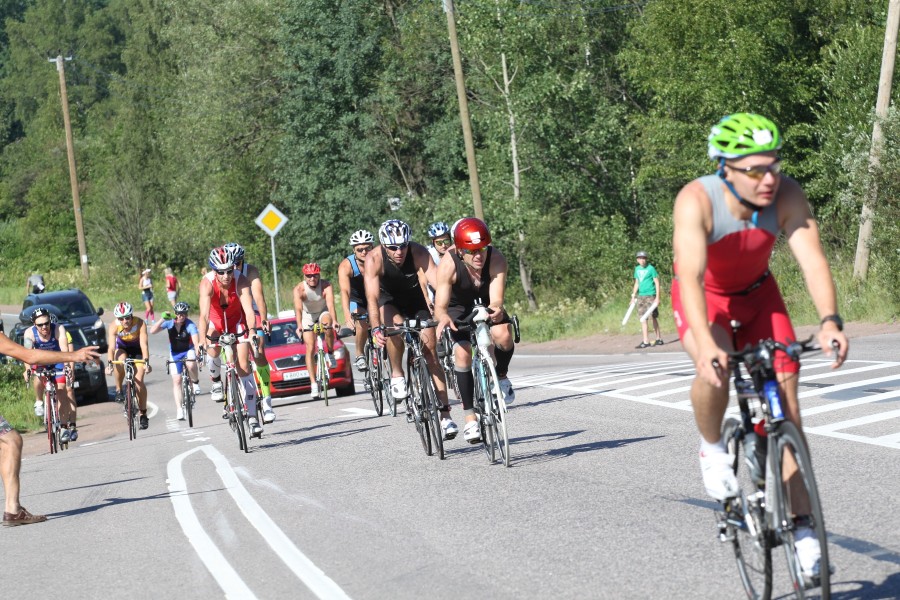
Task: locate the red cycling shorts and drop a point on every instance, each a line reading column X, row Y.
column 762, row 315
column 236, row 323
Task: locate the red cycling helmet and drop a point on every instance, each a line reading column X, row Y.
column 311, row 269
column 471, row 234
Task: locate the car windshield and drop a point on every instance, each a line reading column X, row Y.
column 284, row 333
column 77, row 308
column 78, row 339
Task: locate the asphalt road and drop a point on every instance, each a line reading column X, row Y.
column 603, row 500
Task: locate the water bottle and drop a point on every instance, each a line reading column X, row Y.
column 752, row 456
column 774, row 399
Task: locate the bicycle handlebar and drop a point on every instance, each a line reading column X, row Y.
column 409, row 326
column 764, row 352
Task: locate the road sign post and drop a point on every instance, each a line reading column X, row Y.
column 271, row 220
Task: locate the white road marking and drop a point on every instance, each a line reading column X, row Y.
column 355, row 412
column 311, row 576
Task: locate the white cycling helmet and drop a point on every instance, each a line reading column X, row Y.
column 438, row 229
column 221, row 258
column 361, row 236
column 122, row 309
column 393, row 232
column 236, row 250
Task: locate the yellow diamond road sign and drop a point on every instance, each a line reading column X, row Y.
column 271, row 220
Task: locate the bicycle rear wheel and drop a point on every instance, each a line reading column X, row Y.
column 373, row 378
column 187, row 398
column 321, row 375
column 430, row 404
column 745, row 522
column 497, row 408
column 50, row 422
column 236, row 401
column 795, row 513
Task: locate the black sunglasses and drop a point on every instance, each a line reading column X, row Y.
column 44, row 324
column 225, row 271
column 396, row 247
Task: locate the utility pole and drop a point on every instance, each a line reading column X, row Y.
column 70, row 150
column 861, row 264
column 464, row 109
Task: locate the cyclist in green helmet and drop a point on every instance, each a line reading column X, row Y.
column 726, row 225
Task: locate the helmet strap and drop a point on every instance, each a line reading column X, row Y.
column 755, row 208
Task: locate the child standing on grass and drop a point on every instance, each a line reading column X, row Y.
column 646, row 292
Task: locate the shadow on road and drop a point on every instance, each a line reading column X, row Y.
column 314, row 438
column 115, row 502
column 866, row 590
column 82, row 487
column 515, row 444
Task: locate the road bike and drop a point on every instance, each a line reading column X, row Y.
column 235, row 407
column 48, row 375
column 422, row 407
column 489, row 404
column 131, row 394
column 373, row 380
column 323, row 376
column 769, row 511
column 187, row 389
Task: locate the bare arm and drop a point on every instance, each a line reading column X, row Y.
column 144, row 340
column 328, row 292
column 256, row 289
column 344, row 270
column 246, row 297
column 374, row 271
column 204, row 300
column 802, row 234
column 32, row 356
column 446, row 277
column 426, row 269
column 299, row 297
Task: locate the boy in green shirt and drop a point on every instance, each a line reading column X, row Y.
column 646, row 292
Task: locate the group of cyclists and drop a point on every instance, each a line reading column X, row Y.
column 725, row 227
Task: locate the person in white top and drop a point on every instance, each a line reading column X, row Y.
column 145, row 284
column 314, row 303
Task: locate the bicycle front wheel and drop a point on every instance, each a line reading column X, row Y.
column 415, row 404
column 745, row 522
column 497, row 408
column 483, row 410
column 799, row 510
column 384, row 371
column 131, row 411
column 322, row 375
column 187, row 399
column 236, row 402
column 430, row 405
column 373, row 378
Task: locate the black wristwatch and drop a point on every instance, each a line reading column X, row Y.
column 836, row 319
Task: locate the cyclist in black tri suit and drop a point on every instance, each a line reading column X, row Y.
column 396, row 277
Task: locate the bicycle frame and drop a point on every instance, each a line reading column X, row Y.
column 234, row 398
column 48, row 375
column 131, row 399
column 187, row 388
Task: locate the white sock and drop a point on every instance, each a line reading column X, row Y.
column 214, row 365
column 707, row 449
column 250, row 394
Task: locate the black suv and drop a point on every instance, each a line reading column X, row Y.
column 73, row 309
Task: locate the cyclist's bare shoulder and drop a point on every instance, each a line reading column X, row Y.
column 252, row 272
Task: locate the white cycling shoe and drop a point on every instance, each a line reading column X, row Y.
column 216, row 392
column 268, row 413
column 472, row 432
column 449, row 428
column 809, row 553
column 398, row 388
column 718, row 475
column 506, row 388
column 313, row 389
column 255, row 428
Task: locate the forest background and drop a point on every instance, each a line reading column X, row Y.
column 190, row 116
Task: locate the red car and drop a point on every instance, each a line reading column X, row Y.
column 286, row 354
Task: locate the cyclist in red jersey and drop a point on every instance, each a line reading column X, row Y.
column 226, row 305
column 725, row 228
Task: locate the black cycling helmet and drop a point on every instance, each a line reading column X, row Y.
column 40, row 312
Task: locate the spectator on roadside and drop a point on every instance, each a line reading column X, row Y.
column 35, row 284
column 10, row 439
column 145, row 284
column 646, row 293
column 173, row 287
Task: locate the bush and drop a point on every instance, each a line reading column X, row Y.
column 17, row 400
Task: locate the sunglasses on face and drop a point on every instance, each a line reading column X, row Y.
column 362, row 249
column 396, row 247
column 181, row 315
column 225, row 272
column 479, row 251
column 128, row 318
column 443, row 242
column 759, row 171
column 44, row 324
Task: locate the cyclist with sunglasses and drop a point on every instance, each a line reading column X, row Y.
column 353, row 290
column 260, row 310
column 314, row 303
column 226, row 306
column 397, row 274
column 440, row 240
column 474, row 272
column 726, row 225
column 46, row 334
column 127, row 338
column 184, row 338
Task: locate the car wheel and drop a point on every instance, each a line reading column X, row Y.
column 347, row 390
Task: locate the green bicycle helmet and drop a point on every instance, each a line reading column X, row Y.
column 742, row 134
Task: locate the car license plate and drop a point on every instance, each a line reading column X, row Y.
column 291, row 375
